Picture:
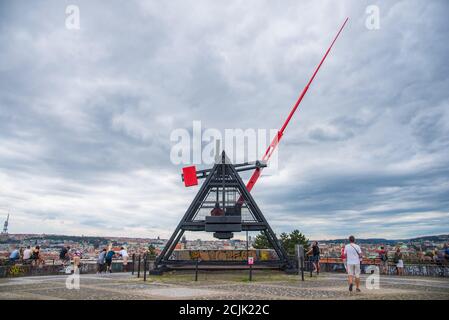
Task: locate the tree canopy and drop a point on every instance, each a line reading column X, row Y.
column 288, row 241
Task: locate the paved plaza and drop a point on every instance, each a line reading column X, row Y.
column 220, row 286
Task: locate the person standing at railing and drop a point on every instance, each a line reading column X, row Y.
column 343, row 257
column 108, row 259
column 14, row 256
column 64, row 256
column 124, row 254
column 353, row 258
column 27, row 254
column 383, row 257
column 315, row 257
column 101, row 261
column 399, row 262
column 37, row 257
column 76, row 260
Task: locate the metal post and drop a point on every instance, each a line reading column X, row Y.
column 250, row 272
column 247, row 252
column 311, row 267
column 134, row 260
column 138, row 268
column 145, row 268
column 300, row 254
column 301, row 266
column 196, row 268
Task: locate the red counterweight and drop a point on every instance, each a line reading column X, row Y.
column 189, row 174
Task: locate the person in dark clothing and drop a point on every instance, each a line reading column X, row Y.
column 36, row 256
column 64, row 255
column 108, row 260
column 101, row 261
column 314, row 252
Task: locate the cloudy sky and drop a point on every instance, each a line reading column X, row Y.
column 86, row 115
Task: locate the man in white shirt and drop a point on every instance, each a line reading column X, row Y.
column 27, row 253
column 124, row 255
column 353, row 255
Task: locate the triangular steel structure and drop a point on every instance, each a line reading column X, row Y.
column 222, row 188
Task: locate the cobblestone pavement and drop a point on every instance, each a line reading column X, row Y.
column 126, row 286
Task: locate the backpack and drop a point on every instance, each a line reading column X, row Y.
column 109, row 255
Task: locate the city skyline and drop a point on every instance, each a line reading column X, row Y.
column 198, row 236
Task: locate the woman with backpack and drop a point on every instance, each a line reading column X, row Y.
column 108, row 260
column 399, row 262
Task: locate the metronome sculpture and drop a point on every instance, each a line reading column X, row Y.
column 217, row 208
column 224, row 204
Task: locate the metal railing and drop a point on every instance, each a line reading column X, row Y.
column 142, row 263
column 409, row 269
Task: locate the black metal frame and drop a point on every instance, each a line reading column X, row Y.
column 221, row 177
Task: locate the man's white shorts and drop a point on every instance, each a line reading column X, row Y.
column 354, row 270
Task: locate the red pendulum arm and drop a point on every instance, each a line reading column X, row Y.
column 272, row 147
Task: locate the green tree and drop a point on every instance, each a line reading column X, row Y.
column 288, row 241
column 261, row 242
column 293, row 238
column 151, row 252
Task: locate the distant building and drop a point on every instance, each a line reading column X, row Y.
column 5, row 226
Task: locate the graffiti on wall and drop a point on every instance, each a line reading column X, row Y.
column 409, row 270
column 23, row 270
column 226, row 255
column 419, row 270
column 16, row 271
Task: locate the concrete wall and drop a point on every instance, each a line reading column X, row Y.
column 410, row 270
column 20, row 270
column 117, row 266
